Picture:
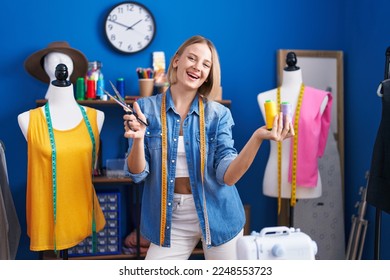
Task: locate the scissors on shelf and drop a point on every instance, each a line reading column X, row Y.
column 121, row 101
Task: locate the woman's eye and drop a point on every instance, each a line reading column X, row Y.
column 207, row 65
column 191, row 58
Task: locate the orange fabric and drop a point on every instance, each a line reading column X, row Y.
column 74, row 184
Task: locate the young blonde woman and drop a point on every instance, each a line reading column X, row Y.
column 187, row 162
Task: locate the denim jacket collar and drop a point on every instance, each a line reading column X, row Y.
column 194, row 105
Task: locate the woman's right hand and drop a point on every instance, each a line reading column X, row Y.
column 133, row 128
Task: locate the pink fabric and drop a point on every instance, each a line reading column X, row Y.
column 313, row 131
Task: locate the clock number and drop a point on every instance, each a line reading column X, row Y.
column 130, row 47
column 112, row 17
column 113, row 38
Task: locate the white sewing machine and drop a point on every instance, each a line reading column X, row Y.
column 276, row 243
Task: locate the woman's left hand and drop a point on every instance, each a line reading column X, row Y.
column 279, row 131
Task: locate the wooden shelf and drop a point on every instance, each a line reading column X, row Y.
column 129, row 100
column 109, row 180
column 90, row 102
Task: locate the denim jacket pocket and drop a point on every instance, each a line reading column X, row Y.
column 153, row 139
column 211, row 141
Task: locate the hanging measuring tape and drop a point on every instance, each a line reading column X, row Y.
column 54, row 171
column 203, row 165
column 164, row 171
column 294, row 153
column 164, row 166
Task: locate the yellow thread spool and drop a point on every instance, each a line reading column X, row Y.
column 270, row 113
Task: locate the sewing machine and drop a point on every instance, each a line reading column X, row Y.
column 276, row 243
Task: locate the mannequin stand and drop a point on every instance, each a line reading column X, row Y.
column 291, row 218
column 377, row 240
column 63, row 254
column 286, row 216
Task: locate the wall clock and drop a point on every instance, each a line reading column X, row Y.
column 129, row 27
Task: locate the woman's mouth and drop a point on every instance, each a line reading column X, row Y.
column 192, row 76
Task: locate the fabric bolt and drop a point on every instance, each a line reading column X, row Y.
column 76, row 195
column 224, row 207
column 378, row 190
column 313, row 129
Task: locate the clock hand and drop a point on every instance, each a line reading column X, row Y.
column 128, row 27
column 131, row 27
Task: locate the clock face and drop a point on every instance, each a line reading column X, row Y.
column 130, row 27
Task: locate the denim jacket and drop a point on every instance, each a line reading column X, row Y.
column 225, row 211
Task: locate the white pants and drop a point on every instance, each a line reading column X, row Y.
column 186, row 233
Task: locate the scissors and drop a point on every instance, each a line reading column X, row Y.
column 119, row 99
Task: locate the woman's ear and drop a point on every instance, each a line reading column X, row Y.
column 175, row 61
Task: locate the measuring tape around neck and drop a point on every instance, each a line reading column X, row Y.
column 164, row 166
column 164, row 171
column 294, row 153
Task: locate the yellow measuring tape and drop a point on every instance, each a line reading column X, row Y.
column 293, row 199
column 164, row 164
column 202, row 127
column 279, row 158
column 202, row 139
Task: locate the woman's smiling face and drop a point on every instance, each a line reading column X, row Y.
column 194, row 65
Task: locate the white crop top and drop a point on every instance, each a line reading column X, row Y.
column 181, row 162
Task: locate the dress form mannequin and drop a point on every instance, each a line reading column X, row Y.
column 63, row 140
column 289, row 92
column 64, row 109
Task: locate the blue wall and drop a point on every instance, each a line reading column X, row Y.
column 247, row 35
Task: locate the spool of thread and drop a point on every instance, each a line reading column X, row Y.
column 80, row 89
column 91, row 90
column 99, row 88
column 120, row 85
column 270, row 113
column 286, row 109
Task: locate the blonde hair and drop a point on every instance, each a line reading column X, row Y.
column 213, row 81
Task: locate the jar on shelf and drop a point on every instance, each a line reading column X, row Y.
column 95, row 74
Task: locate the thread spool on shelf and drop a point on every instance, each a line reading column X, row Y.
column 120, row 85
column 80, row 88
column 91, row 89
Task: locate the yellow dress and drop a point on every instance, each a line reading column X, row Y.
column 75, row 191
